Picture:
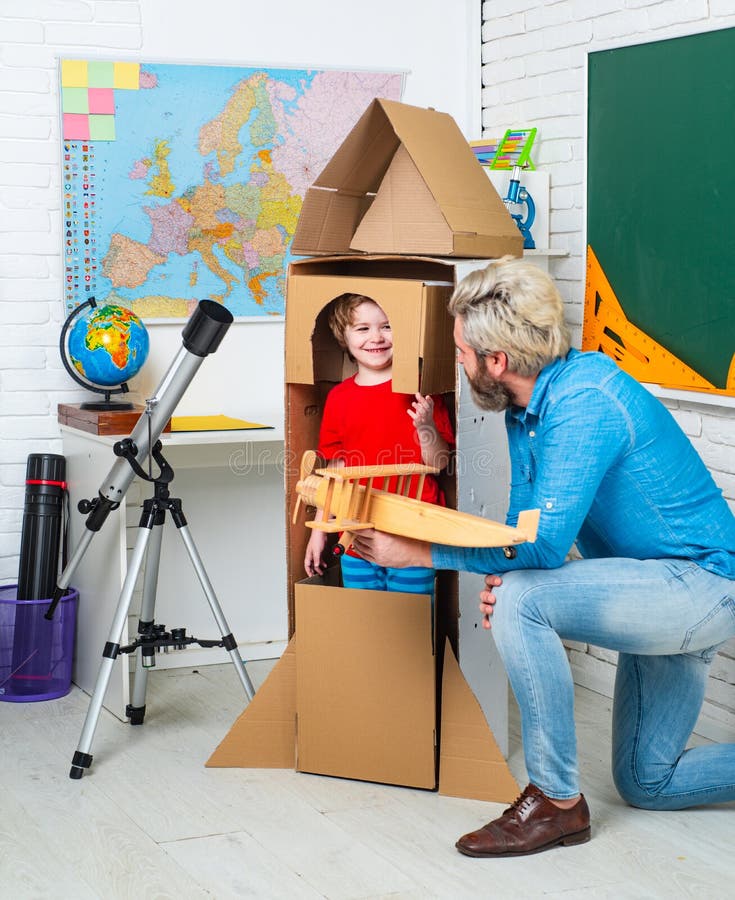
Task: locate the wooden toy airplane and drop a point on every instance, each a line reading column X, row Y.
column 349, row 506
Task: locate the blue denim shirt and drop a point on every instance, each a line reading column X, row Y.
column 611, row 470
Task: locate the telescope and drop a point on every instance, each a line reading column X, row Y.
column 201, row 336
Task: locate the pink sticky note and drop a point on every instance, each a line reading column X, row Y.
column 76, row 127
column 101, row 101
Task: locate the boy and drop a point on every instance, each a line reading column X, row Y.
column 365, row 423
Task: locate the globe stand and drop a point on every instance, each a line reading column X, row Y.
column 201, row 336
column 105, row 405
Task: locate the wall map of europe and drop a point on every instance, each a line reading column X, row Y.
column 186, row 181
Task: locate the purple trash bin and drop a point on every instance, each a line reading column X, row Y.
column 36, row 653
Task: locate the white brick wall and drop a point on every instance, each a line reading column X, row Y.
column 534, row 74
column 33, row 33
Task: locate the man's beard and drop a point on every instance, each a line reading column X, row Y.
column 488, row 392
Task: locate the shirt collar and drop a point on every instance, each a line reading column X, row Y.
column 540, row 388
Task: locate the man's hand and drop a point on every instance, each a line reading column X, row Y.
column 391, row 551
column 487, row 599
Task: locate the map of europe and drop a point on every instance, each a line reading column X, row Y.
column 186, row 181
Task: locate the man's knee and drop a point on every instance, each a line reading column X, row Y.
column 642, row 796
column 518, row 586
column 520, row 594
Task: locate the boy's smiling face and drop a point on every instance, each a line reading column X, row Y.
column 369, row 340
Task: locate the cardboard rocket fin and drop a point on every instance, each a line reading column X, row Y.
column 264, row 735
column 470, row 762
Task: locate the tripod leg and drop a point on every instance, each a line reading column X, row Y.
column 227, row 637
column 82, row 758
column 136, row 708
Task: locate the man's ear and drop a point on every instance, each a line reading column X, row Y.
column 496, row 363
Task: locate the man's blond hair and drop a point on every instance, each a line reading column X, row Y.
column 515, row 307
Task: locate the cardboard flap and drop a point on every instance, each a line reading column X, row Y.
column 264, row 735
column 327, row 220
column 361, row 160
column 404, row 215
column 365, row 685
column 470, row 762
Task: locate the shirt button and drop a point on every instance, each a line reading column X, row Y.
column 532, row 434
column 549, row 504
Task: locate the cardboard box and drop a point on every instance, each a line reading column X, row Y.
column 95, row 421
column 356, row 695
column 365, row 685
column 369, row 687
column 405, row 181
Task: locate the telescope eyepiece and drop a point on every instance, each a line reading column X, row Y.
column 205, row 329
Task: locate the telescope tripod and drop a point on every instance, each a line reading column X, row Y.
column 152, row 637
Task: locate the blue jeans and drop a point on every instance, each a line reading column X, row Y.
column 667, row 619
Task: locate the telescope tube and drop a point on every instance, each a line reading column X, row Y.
column 201, row 336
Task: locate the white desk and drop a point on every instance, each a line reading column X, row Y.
column 232, row 490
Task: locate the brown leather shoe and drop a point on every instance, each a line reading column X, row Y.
column 531, row 824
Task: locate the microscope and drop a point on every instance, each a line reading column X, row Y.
column 518, row 196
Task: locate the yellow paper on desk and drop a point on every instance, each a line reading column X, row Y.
column 212, row 423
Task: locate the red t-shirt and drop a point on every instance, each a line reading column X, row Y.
column 369, row 425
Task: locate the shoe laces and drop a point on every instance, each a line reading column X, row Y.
column 522, row 801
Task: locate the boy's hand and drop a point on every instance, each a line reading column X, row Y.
column 434, row 449
column 313, row 562
column 422, row 413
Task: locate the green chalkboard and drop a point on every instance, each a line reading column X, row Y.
column 661, row 191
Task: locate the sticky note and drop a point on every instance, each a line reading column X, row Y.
column 127, row 76
column 74, row 100
column 101, row 74
column 73, row 73
column 101, row 128
column 101, row 101
column 76, row 127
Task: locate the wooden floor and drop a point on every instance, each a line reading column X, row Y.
column 150, row 821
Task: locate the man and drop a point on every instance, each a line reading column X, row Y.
column 613, row 473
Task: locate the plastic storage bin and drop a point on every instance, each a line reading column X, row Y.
column 36, row 653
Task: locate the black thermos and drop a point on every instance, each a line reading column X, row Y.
column 42, row 519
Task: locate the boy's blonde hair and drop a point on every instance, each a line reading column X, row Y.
column 341, row 314
column 515, row 307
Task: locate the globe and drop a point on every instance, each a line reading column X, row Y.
column 105, row 345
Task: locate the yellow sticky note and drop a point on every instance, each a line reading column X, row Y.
column 73, row 73
column 127, row 76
